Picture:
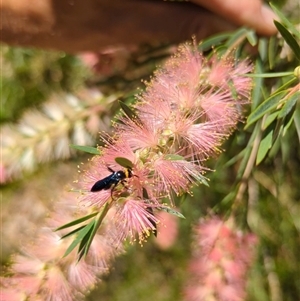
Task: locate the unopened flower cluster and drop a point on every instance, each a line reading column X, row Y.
column 187, row 110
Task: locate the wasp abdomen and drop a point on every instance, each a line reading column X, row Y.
column 111, row 180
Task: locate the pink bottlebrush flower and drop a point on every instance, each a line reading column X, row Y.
column 221, row 109
column 167, row 230
column 56, row 287
column 188, row 109
column 27, row 265
column 176, row 175
column 135, row 219
column 81, row 275
column 11, row 295
column 191, row 105
column 104, row 248
column 228, row 74
column 19, row 287
column 220, row 262
column 178, row 82
column 138, row 135
column 98, row 169
column 42, row 273
column 203, row 140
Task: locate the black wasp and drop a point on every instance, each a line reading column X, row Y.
column 112, row 180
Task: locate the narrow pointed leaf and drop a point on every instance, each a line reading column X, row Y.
column 269, row 75
column 288, row 123
column 172, row 211
column 286, row 21
column 266, row 107
column 289, row 39
column 87, row 149
column 248, row 151
column 251, row 37
column 237, row 35
column 82, row 233
column 290, row 103
column 172, row 157
column 258, row 83
column 264, row 147
column 287, row 84
column 270, row 119
column 297, row 120
column 98, row 222
column 83, row 244
column 77, row 221
column 202, row 180
column 124, row 162
column 213, row 41
column 272, row 51
column 72, row 232
column 130, row 113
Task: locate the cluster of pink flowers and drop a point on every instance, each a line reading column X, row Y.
column 41, row 272
column 190, row 106
column 220, row 262
column 187, row 110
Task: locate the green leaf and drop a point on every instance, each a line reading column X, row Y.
column 258, row 84
column 237, row 35
column 266, row 107
column 288, row 123
column 251, row 37
column 235, row 159
column 98, row 222
column 289, row 39
column 171, row 211
column 264, row 147
column 272, row 51
column 270, row 119
column 200, row 178
column 82, row 233
column 173, row 157
column 269, row 75
column 289, row 104
column 213, row 41
column 124, row 162
column 87, row 149
column 288, row 84
column 77, row 221
column 248, row 151
column 84, row 247
column 226, row 203
column 72, row 232
column 276, row 140
column 297, row 120
column 263, row 49
column 130, row 113
column 286, row 21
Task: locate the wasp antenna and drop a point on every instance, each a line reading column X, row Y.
column 110, row 169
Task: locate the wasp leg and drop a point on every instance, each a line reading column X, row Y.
column 112, row 190
column 123, row 182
